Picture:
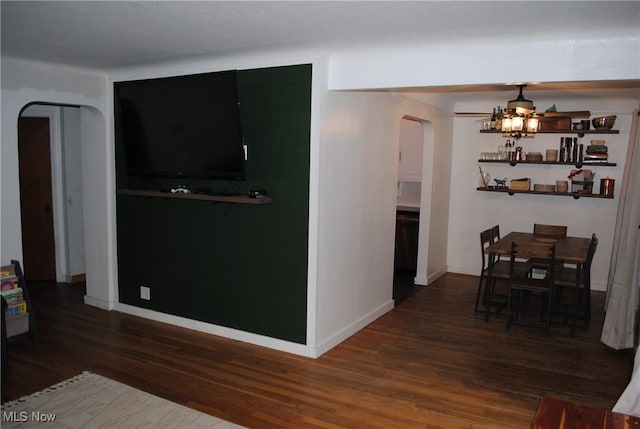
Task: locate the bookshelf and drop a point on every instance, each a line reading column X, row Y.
column 18, row 315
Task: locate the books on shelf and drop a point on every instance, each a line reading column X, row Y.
column 7, row 271
column 596, row 153
column 12, row 293
column 596, row 161
column 8, row 278
column 597, row 148
column 16, row 310
column 9, row 283
column 13, row 296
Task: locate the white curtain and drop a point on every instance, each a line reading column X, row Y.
column 623, row 285
column 629, row 401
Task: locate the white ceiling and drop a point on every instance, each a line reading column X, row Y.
column 114, row 34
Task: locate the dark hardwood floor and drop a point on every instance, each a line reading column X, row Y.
column 431, row 362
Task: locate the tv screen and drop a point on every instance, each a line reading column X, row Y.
column 181, row 127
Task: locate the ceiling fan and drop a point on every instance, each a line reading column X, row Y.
column 522, row 107
column 518, row 105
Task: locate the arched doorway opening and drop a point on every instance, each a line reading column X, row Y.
column 412, row 205
column 50, row 176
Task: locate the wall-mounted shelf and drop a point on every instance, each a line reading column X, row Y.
column 238, row 199
column 580, row 133
column 575, row 195
column 577, row 165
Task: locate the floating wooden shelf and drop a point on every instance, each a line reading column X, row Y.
column 575, row 195
column 576, row 164
column 580, row 133
column 238, row 199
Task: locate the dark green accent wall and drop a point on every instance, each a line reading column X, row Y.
column 235, row 265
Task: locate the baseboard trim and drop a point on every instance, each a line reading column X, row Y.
column 425, row 281
column 353, row 328
column 95, row 302
column 260, row 340
column 221, row 331
column 78, row 278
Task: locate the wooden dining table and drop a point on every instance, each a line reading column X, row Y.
column 572, row 250
column 561, row 414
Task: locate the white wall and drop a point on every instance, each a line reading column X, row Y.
column 358, row 171
column 538, row 58
column 473, row 211
column 356, row 218
column 24, row 82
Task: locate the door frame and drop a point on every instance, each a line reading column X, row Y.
column 53, row 113
column 423, row 277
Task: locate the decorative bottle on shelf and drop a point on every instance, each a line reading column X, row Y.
column 580, row 153
column 492, row 122
column 499, row 119
column 518, row 154
column 569, row 146
column 565, row 150
column 508, row 149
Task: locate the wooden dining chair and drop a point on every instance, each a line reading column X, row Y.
column 499, row 270
column 565, row 279
column 549, row 230
column 495, row 233
column 520, row 283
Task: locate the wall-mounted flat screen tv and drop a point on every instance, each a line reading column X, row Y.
column 181, row 127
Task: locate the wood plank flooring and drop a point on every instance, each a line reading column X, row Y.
column 431, row 363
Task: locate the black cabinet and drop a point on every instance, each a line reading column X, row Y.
column 406, row 253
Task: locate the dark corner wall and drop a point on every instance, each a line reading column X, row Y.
column 236, row 265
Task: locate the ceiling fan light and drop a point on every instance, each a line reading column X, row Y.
column 532, row 125
column 517, row 123
column 506, row 125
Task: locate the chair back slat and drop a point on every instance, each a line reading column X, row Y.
column 532, row 250
column 495, row 233
column 550, row 230
column 592, row 251
column 543, row 253
column 485, row 241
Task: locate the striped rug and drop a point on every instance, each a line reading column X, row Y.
column 93, row 401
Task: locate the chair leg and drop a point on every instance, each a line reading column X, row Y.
column 587, row 291
column 479, row 293
column 547, row 323
column 508, row 316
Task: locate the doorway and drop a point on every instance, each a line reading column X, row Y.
column 50, row 181
column 408, row 207
column 36, row 199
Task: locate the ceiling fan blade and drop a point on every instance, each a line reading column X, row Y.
column 473, row 114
